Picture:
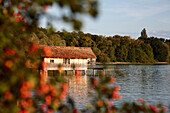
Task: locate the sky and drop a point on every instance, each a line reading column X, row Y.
column 123, row 17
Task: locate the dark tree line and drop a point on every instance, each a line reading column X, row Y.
column 110, row 49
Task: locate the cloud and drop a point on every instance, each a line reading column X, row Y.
column 138, row 10
column 160, row 34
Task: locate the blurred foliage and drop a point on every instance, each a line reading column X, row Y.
column 22, row 76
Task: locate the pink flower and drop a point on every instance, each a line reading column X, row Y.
column 112, row 80
column 33, row 48
column 8, row 95
column 154, row 108
column 45, row 8
column 48, row 99
column 50, row 111
column 65, row 87
column 95, row 81
column 117, row 88
column 75, row 110
column 43, row 107
column 165, row 109
column 140, row 100
column 45, row 88
column 111, row 104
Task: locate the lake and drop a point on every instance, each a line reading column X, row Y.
column 150, row 82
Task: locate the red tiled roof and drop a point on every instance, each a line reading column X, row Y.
column 69, row 52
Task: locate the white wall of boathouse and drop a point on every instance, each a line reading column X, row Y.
column 80, row 64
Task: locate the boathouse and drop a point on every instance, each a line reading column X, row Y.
column 68, row 58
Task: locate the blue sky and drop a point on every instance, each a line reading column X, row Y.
column 124, row 17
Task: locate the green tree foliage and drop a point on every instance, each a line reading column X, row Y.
column 96, row 51
column 111, row 53
column 86, row 42
column 160, row 50
column 104, row 58
column 116, row 48
column 74, row 42
column 156, row 47
column 131, row 53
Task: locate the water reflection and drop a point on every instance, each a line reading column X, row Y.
column 150, row 82
column 79, row 90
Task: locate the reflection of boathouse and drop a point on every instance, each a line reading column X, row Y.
column 79, row 90
column 68, row 58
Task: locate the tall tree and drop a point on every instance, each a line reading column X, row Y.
column 144, row 34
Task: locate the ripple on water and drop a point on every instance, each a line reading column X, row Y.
column 150, row 82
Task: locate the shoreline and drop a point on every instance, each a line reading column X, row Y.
column 132, row 63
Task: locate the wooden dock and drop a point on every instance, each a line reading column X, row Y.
column 97, row 68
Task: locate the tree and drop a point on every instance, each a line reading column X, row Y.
column 112, row 54
column 160, row 50
column 131, row 53
column 74, row 42
column 143, row 34
column 104, row 58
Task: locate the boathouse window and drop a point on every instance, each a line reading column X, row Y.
column 66, row 61
column 51, row 61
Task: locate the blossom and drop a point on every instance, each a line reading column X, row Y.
column 45, row 8
column 18, row 15
column 43, row 107
column 26, row 7
column 100, row 103
column 50, row 111
column 117, row 88
column 28, row 84
column 154, row 108
column 17, row 19
column 115, row 94
column 112, row 79
column 24, row 104
column 8, row 95
column 8, row 63
column 25, row 94
column 95, row 81
column 23, row 28
column 111, row 104
column 165, row 109
column 33, row 48
column 140, row 100
column 8, row 51
column 65, row 87
column 12, row 52
column 45, row 88
column 25, row 89
column 63, row 95
column 14, row 14
column 30, row 102
column 48, row 99
column 28, row 63
column 75, row 110
column 24, row 111
column 19, row 8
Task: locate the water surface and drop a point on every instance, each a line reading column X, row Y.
column 150, row 82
